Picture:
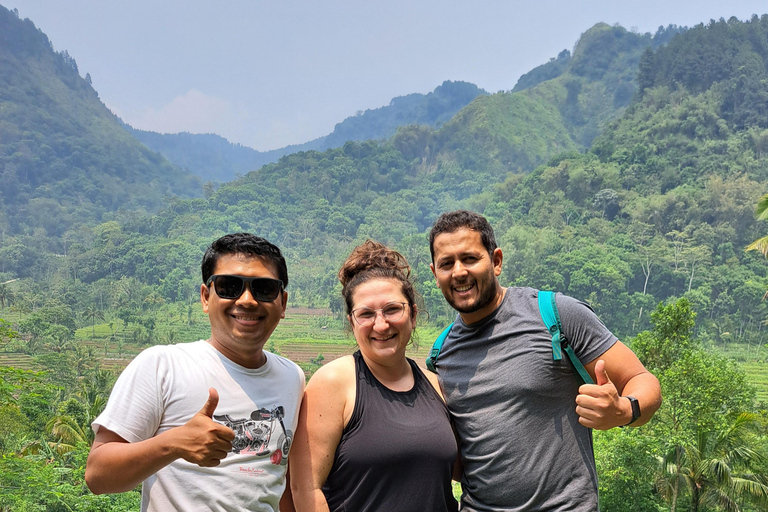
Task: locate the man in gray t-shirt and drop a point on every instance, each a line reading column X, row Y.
column 523, row 420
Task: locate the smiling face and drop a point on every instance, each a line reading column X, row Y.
column 383, row 342
column 466, row 274
column 240, row 327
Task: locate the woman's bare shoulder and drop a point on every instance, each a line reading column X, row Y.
column 340, row 371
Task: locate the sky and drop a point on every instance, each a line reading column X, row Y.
column 269, row 73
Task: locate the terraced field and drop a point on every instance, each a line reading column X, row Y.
column 757, row 375
column 17, row 360
column 302, row 352
column 301, row 336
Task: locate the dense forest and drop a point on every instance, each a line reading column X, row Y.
column 625, row 173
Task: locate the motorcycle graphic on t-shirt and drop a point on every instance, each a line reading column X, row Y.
column 252, row 436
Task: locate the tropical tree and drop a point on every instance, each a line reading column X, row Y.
column 761, row 213
column 6, row 333
column 68, row 434
column 171, row 337
column 59, row 337
column 716, row 468
column 6, row 295
column 93, row 313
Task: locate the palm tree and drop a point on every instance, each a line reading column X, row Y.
column 93, row 313
column 68, row 434
column 716, row 469
column 6, row 295
column 761, row 212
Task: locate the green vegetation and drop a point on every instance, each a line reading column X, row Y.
column 65, row 159
column 637, row 196
column 705, row 448
column 45, row 434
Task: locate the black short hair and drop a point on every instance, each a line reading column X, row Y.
column 451, row 222
column 247, row 245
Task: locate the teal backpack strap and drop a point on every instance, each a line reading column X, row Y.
column 436, row 348
column 551, row 318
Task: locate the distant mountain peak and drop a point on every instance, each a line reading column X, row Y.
column 219, row 160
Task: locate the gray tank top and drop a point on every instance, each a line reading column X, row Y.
column 397, row 451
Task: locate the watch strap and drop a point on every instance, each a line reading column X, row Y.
column 635, row 409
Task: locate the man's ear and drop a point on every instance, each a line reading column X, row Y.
column 285, row 303
column 205, row 295
column 498, row 257
column 432, row 268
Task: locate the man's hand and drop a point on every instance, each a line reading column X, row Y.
column 201, row 440
column 599, row 405
column 115, row 465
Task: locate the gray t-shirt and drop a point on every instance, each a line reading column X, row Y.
column 514, row 407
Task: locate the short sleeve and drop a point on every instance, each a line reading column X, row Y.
column 586, row 333
column 134, row 409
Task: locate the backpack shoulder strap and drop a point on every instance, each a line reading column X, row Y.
column 551, row 318
column 437, row 346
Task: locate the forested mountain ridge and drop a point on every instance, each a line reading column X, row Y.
column 660, row 206
column 729, row 56
column 64, row 157
column 214, row 158
column 558, row 107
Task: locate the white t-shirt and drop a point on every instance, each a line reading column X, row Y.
column 165, row 386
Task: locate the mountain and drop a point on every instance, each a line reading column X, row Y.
column 65, row 159
column 214, row 158
column 209, row 156
column 557, row 107
column 645, row 217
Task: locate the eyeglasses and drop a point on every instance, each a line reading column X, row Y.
column 391, row 312
column 263, row 289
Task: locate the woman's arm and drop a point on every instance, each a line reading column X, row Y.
column 325, row 410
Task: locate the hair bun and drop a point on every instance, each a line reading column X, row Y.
column 373, row 255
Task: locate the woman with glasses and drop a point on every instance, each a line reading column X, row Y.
column 374, row 433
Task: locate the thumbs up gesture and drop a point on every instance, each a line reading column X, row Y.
column 201, row 440
column 599, row 405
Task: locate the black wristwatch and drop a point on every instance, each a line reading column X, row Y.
column 635, row 409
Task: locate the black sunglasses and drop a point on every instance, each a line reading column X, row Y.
column 263, row 289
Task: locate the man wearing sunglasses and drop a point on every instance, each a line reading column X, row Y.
column 208, row 425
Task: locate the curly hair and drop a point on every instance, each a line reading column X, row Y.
column 373, row 260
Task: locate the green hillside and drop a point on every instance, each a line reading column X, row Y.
column 65, row 159
column 558, row 107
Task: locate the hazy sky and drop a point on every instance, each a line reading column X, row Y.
column 271, row 73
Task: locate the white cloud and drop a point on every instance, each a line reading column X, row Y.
column 193, row 112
